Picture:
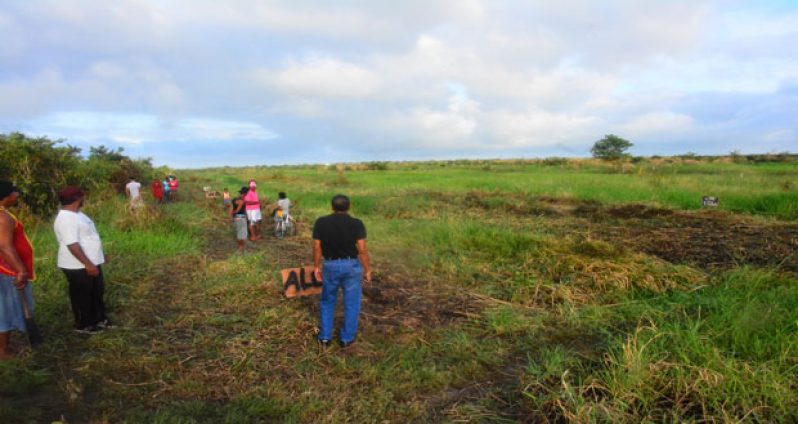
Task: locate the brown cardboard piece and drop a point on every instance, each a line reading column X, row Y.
column 300, row 282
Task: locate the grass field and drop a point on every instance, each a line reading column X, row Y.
column 506, row 291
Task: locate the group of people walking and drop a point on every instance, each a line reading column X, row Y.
column 340, row 259
column 162, row 191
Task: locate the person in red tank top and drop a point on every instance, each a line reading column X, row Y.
column 157, row 191
column 16, row 268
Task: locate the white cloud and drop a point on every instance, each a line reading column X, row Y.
column 422, row 77
column 658, row 123
column 324, row 77
column 142, row 128
column 537, row 128
column 221, row 130
column 435, row 129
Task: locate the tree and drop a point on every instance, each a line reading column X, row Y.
column 611, row 147
column 104, row 153
column 39, row 167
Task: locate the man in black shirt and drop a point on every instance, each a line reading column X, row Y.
column 341, row 240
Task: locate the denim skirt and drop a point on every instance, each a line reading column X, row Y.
column 11, row 317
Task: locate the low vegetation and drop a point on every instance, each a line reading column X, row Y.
column 40, row 167
column 506, row 291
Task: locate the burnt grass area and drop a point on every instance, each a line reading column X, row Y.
column 708, row 239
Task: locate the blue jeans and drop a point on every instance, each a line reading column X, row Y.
column 344, row 274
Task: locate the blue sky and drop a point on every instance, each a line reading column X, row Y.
column 195, row 83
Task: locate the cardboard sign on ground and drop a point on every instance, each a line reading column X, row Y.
column 300, row 282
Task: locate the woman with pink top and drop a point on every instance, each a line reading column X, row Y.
column 254, row 215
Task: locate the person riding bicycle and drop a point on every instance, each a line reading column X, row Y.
column 282, row 216
column 283, row 205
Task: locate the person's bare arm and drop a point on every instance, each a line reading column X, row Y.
column 363, row 254
column 9, row 253
column 77, row 251
column 317, row 259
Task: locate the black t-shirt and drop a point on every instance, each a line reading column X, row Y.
column 339, row 234
column 239, row 202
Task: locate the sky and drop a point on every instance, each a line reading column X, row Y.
column 196, row 83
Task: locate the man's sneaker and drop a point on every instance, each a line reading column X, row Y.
column 345, row 344
column 324, row 344
column 92, row 329
column 105, row 324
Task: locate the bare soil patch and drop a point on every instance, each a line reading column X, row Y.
column 710, row 240
column 707, row 239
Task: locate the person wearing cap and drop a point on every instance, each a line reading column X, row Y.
column 80, row 257
column 341, row 240
column 133, row 191
column 16, row 268
column 239, row 215
column 253, row 211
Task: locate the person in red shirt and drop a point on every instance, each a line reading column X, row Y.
column 16, row 268
column 173, row 186
column 157, row 190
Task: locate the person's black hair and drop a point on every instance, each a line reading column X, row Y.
column 340, row 203
column 281, row 195
column 6, row 188
column 244, row 190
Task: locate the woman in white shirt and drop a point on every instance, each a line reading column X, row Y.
column 80, row 257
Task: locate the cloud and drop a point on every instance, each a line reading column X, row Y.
column 536, row 128
column 139, row 129
column 665, row 122
column 322, row 77
column 415, row 78
column 429, row 128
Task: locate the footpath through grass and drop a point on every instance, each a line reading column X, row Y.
column 506, row 292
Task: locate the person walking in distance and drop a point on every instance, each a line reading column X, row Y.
column 157, row 191
column 341, row 240
column 174, row 185
column 254, row 214
column 133, row 191
column 238, row 212
column 16, row 269
column 80, row 257
column 166, row 194
column 227, row 201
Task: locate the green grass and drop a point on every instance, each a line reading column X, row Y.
column 501, row 302
column 727, row 350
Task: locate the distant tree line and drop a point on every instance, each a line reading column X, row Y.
column 40, row 167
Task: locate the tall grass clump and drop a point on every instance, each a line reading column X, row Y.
column 725, row 352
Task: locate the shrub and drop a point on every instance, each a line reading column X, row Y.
column 377, row 166
column 40, row 167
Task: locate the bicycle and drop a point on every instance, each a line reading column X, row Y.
column 283, row 225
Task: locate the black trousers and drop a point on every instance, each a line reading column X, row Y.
column 86, row 295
